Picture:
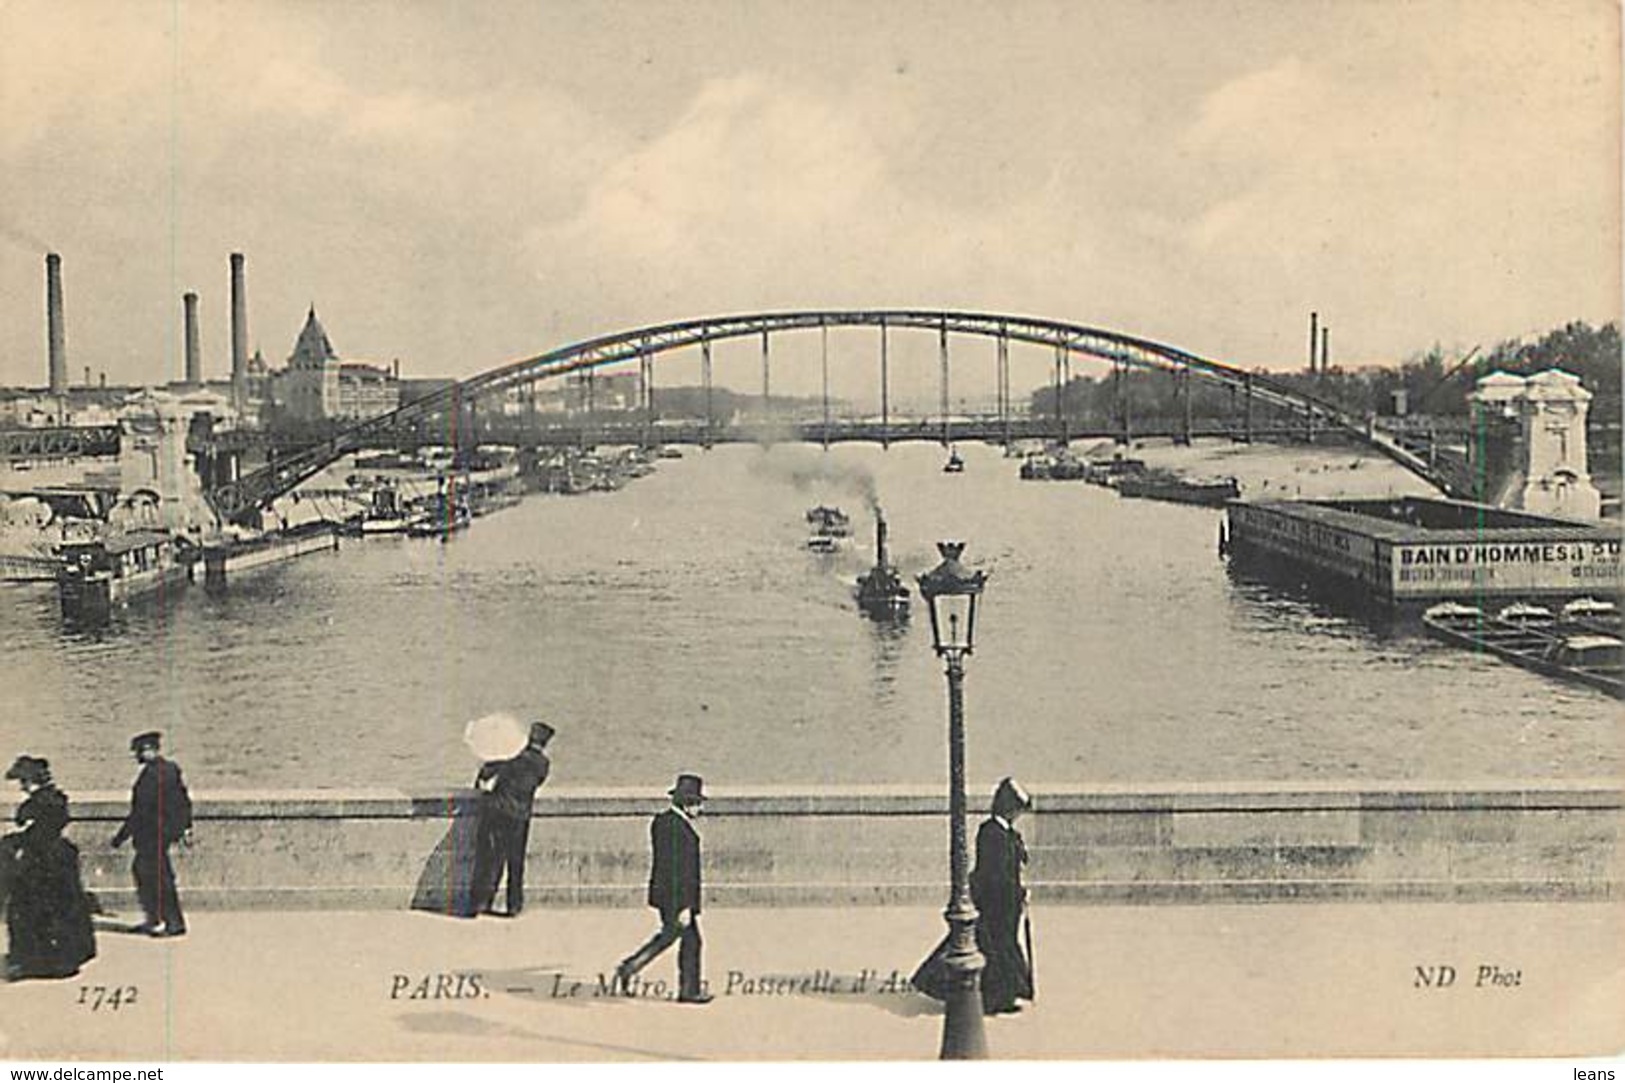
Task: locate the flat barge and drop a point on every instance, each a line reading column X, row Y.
column 1407, row 553
column 241, row 555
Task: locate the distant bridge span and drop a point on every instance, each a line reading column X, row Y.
column 241, row 497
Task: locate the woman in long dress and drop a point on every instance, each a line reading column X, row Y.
column 47, row 912
column 998, row 889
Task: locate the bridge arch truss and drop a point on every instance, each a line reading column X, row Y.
column 235, row 499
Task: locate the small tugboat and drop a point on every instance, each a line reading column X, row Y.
column 386, row 514
column 829, row 522
column 954, row 465
column 1111, row 472
column 442, row 516
column 1531, row 643
column 830, row 527
column 881, row 592
column 1057, row 464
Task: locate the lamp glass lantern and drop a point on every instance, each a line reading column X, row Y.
column 952, row 591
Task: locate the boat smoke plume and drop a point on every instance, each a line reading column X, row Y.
column 21, row 238
column 804, row 468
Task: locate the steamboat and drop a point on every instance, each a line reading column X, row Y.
column 882, row 594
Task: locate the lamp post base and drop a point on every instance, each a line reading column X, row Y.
column 963, row 1036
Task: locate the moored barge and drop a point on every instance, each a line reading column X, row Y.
column 1412, row 552
column 96, row 575
column 1177, row 489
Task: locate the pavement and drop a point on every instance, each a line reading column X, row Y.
column 1114, row 982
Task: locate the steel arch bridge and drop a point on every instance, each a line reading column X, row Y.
column 241, row 497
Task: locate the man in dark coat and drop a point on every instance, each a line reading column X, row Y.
column 674, row 891
column 160, row 816
column 507, row 799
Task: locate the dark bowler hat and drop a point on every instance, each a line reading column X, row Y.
column 150, row 739
column 30, row 769
column 689, row 789
column 541, row 733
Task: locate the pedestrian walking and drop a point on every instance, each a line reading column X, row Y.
column 507, row 799
column 48, row 924
column 160, row 816
column 674, row 891
column 999, row 893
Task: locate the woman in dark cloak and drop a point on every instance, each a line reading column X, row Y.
column 1000, row 895
column 47, row 912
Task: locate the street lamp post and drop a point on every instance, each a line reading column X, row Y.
column 952, row 591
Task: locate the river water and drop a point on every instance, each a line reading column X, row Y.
column 679, row 624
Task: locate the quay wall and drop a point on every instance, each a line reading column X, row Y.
column 883, row 845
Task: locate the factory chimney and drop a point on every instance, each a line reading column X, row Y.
column 1314, row 336
column 1325, row 348
column 56, row 345
column 194, row 363
column 239, row 334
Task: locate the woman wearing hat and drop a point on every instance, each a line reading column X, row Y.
column 1000, row 896
column 47, row 913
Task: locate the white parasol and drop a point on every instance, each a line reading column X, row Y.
column 498, row 736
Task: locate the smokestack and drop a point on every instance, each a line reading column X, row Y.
column 87, row 375
column 103, row 375
column 239, row 333
column 880, row 539
column 194, row 363
column 55, row 338
column 1325, row 348
column 1314, row 335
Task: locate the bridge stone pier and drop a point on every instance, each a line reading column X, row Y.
column 1535, row 457
column 887, row 845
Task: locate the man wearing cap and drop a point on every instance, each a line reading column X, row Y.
column 674, row 891
column 160, row 816
column 507, row 798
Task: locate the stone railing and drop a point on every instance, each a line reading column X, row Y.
column 783, row 847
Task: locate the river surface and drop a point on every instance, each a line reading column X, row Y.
column 679, row 624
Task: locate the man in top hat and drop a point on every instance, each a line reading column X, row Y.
column 507, row 798
column 674, row 891
column 160, row 816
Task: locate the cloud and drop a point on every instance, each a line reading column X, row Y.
column 748, row 158
column 458, row 187
column 1258, row 109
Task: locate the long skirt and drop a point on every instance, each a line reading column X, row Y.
column 1007, row 974
column 48, row 914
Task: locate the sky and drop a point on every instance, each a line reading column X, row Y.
column 461, row 185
